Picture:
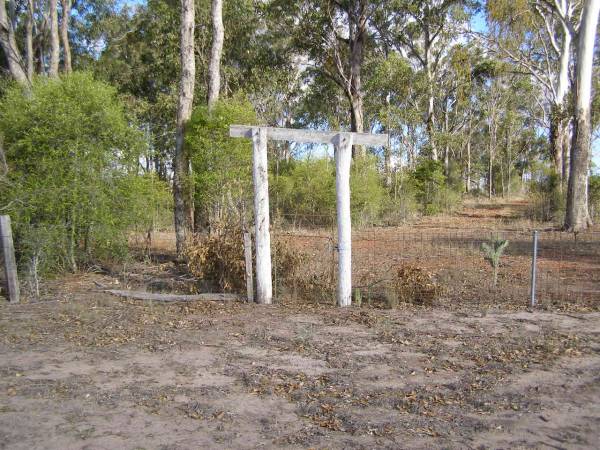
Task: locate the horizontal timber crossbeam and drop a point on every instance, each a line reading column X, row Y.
column 309, row 136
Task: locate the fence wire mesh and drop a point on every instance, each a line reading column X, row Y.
column 437, row 265
column 441, row 266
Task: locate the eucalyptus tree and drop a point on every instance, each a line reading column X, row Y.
column 182, row 189
column 64, row 34
column 335, row 36
column 35, row 35
column 537, row 35
column 423, row 31
column 577, row 215
column 29, row 24
column 456, row 105
column 393, row 103
column 141, row 58
column 9, row 46
column 54, row 39
column 214, row 65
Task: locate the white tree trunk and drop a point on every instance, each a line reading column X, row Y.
column 29, row 39
column 64, row 34
column 577, row 216
column 563, row 74
column 181, row 163
column 559, row 123
column 54, row 41
column 9, row 46
column 468, row 174
column 260, row 176
column 430, row 118
column 343, row 159
column 214, row 66
column 357, row 120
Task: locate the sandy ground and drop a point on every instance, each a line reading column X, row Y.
column 96, row 372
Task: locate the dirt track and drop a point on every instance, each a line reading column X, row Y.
column 96, row 372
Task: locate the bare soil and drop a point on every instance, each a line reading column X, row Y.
column 82, row 369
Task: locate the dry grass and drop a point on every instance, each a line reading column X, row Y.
column 413, row 284
column 219, row 259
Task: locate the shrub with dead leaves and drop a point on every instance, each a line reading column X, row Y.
column 413, row 284
column 219, row 259
column 297, row 275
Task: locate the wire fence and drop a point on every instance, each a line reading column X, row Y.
column 437, row 265
column 445, row 266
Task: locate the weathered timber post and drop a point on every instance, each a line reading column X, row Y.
column 343, row 159
column 249, row 271
column 343, row 143
column 260, row 176
column 10, row 264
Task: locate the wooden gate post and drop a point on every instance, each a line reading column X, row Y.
column 343, row 159
column 249, row 271
column 10, row 264
column 343, row 156
column 260, row 176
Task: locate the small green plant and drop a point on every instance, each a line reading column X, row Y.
column 492, row 253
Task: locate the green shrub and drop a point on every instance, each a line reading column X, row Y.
column 304, row 192
column 72, row 186
column 594, row 197
column 547, row 202
column 432, row 191
column 222, row 165
column 367, row 193
column 400, row 203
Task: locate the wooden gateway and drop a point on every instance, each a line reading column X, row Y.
column 343, row 142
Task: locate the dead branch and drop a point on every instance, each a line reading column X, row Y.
column 152, row 296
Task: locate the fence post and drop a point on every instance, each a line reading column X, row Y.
column 249, row 271
column 534, row 269
column 343, row 159
column 260, row 176
column 10, row 264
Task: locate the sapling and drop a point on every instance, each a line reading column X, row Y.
column 492, row 253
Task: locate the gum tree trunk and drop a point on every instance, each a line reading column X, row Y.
column 430, row 118
column 566, row 152
column 181, row 161
column 559, row 123
column 557, row 139
column 9, row 46
column 577, row 216
column 29, row 39
column 468, row 177
column 214, row 67
column 64, row 34
column 349, row 66
column 491, row 154
column 54, row 41
column 358, row 30
column 447, row 144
